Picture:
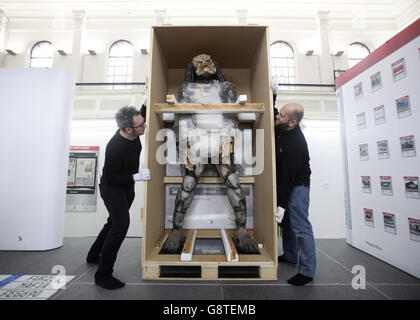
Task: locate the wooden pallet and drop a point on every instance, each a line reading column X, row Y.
column 208, row 267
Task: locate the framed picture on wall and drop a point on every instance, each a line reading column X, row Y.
column 379, row 113
column 366, row 185
column 376, row 81
column 411, row 185
column 364, row 152
column 403, row 107
column 408, row 147
column 361, row 121
column 414, row 227
column 386, row 185
column 368, row 216
column 358, row 91
column 383, row 149
column 389, row 223
column 398, row 70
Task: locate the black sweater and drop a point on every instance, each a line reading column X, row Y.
column 122, row 158
column 292, row 163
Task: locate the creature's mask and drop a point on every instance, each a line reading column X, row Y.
column 203, row 65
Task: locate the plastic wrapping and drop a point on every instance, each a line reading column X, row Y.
column 203, row 134
column 213, row 92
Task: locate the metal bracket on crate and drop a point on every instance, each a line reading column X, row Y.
column 243, row 98
column 170, row 98
column 169, row 116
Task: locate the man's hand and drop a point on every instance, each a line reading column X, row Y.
column 143, row 175
column 279, row 215
column 274, row 85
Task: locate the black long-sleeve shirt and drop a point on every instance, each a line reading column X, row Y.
column 122, row 158
column 292, row 163
column 292, row 160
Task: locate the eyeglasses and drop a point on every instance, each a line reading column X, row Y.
column 140, row 126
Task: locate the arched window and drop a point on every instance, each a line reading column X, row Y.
column 282, row 62
column 41, row 55
column 120, row 63
column 357, row 52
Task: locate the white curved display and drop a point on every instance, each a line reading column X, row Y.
column 35, row 118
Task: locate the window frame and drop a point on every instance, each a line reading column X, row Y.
column 128, row 74
column 357, row 60
column 31, row 57
column 290, row 65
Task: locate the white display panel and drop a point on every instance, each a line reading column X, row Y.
column 82, row 179
column 380, row 118
column 210, row 208
column 35, row 117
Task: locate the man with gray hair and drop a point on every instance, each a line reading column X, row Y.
column 120, row 172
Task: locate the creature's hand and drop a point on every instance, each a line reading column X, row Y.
column 279, row 215
column 143, row 175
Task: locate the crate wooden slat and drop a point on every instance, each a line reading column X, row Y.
column 208, row 107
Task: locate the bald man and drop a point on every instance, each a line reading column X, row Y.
column 293, row 181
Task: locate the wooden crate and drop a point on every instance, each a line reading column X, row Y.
column 242, row 53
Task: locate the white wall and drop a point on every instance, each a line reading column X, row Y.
column 326, row 211
column 99, row 34
column 303, row 36
column 94, row 68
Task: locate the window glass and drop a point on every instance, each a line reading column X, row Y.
column 282, row 63
column 41, row 55
column 120, row 64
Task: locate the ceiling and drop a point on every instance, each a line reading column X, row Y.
column 338, row 9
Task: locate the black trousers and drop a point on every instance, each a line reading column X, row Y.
column 118, row 201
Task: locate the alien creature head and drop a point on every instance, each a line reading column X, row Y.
column 203, row 69
column 203, row 65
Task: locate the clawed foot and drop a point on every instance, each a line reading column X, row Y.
column 174, row 242
column 244, row 243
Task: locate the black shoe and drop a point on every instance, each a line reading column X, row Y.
column 283, row 259
column 110, row 283
column 299, row 280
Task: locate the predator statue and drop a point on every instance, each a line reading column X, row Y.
column 205, row 82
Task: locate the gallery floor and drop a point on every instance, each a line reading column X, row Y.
column 333, row 278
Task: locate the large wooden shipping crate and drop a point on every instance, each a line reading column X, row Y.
column 242, row 52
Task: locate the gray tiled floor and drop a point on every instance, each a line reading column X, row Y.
column 333, row 278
